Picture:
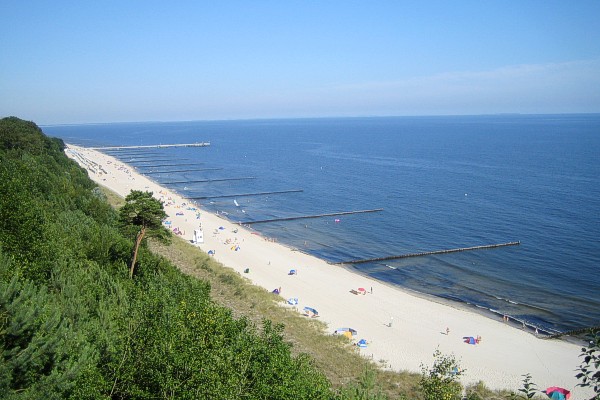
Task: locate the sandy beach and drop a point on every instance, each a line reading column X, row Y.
column 401, row 329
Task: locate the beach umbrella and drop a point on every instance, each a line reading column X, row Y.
column 362, row 343
column 311, row 310
column 346, row 331
column 558, row 393
column 292, row 301
column 362, row 290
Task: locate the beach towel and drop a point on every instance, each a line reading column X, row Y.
column 469, row 340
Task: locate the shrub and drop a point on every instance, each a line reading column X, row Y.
column 440, row 382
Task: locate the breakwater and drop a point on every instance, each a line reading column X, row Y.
column 246, row 194
column 428, row 253
column 152, row 146
column 310, row 216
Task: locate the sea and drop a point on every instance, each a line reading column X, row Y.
column 436, row 183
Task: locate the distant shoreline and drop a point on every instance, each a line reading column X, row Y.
column 319, row 118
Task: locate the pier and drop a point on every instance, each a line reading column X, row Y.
column 152, row 146
column 246, row 194
column 209, row 180
column 428, row 253
column 263, row 221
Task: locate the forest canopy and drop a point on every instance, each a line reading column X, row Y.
column 74, row 325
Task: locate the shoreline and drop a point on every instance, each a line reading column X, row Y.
column 403, row 327
column 513, row 323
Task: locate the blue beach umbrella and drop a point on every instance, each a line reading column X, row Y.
column 311, row 310
column 346, row 331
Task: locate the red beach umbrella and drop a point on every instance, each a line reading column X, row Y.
column 558, row 393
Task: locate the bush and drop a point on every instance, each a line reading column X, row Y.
column 440, row 382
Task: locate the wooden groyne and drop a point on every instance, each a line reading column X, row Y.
column 153, row 146
column 428, row 253
column 151, row 161
column 166, row 165
column 263, row 221
column 182, row 170
column 132, row 153
column 575, row 332
column 246, row 194
column 209, row 180
column 135, row 157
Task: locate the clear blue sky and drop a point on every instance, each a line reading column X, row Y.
column 106, row 61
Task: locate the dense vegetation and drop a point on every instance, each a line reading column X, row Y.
column 74, row 325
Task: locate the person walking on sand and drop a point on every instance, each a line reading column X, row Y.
column 391, row 322
column 447, row 331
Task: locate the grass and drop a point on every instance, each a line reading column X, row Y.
column 334, row 355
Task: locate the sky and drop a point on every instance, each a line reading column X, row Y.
column 66, row 62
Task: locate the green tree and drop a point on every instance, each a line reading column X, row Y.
column 73, row 325
column 440, row 382
column 589, row 374
column 142, row 214
column 40, row 355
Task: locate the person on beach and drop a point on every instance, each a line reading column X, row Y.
column 391, row 322
column 447, row 331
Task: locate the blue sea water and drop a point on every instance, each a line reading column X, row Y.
column 443, row 182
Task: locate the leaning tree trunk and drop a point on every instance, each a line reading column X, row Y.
column 138, row 241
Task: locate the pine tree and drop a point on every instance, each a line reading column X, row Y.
column 144, row 214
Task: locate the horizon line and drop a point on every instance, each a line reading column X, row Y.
column 500, row 114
